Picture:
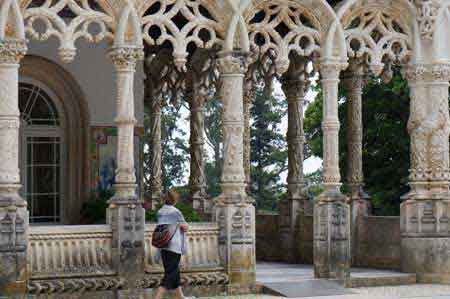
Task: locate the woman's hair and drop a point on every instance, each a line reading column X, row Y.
column 172, row 197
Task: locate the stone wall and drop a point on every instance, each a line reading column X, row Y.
column 268, row 243
column 378, row 243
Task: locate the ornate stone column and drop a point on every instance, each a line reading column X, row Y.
column 295, row 84
column 13, row 209
column 331, row 211
column 234, row 210
column 156, row 152
column 125, row 213
column 359, row 200
column 425, row 213
column 197, row 180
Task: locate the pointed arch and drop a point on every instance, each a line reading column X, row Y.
column 294, row 26
column 11, row 20
column 128, row 30
column 380, row 32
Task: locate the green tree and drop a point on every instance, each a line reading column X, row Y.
column 385, row 140
column 213, row 137
column 268, row 149
column 174, row 148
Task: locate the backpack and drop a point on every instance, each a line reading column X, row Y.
column 163, row 234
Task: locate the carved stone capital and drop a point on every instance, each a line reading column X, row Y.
column 125, row 58
column 12, row 51
column 427, row 15
column 232, row 64
column 330, row 70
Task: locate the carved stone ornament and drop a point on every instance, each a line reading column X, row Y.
column 428, row 13
column 126, row 57
column 12, row 50
column 231, row 64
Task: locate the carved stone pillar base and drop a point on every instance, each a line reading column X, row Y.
column 292, row 224
column 360, row 210
column 332, row 236
column 236, row 218
column 13, row 247
column 127, row 219
column 425, row 246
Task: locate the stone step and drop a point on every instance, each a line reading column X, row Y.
column 376, row 280
column 305, row 288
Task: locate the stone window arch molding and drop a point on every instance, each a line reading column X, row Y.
column 74, row 118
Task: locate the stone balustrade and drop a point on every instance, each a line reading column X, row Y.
column 64, row 258
column 202, row 248
column 68, row 251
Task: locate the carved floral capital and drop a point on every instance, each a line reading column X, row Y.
column 231, row 64
column 125, row 58
column 12, row 50
column 331, row 69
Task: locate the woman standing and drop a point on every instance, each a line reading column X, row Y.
column 171, row 255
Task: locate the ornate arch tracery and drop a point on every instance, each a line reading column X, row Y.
column 284, row 27
column 182, row 24
column 377, row 34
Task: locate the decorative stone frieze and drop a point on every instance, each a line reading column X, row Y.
column 12, row 51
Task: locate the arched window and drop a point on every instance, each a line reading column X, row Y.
column 42, row 154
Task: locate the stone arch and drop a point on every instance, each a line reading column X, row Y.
column 293, row 26
column 76, row 115
column 11, row 20
column 182, row 25
column 68, row 21
column 128, row 30
column 380, row 32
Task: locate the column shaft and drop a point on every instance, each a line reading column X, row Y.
column 331, row 212
column 13, row 209
column 156, row 152
column 292, row 210
column 197, row 179
column 248, row 98
column 359, row 200
column 234, row 211
column 125, row 213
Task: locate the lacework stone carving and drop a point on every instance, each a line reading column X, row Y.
column 181, row 23
column 284, row 27
column 374, row 34
column 68, row 21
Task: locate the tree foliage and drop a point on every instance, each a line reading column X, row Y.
column 385, row 113
column 268, row 149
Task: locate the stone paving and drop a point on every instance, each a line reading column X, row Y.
column 299, row 279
